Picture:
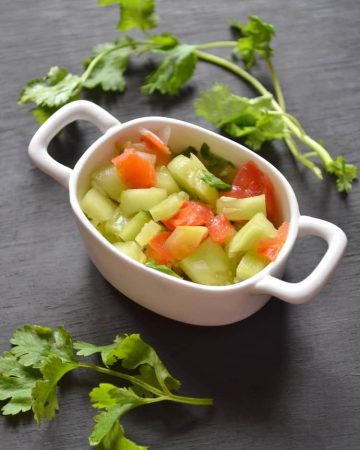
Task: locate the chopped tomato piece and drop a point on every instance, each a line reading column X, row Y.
column 156, row 250
column 220, row 229
column 250, row 181
column 190, row 213
column 154, row 141
column 134, row 171
column 270, row 248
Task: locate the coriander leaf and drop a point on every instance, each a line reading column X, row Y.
column 44, row 397
column 134, row 13
column 113, row 60
column 214, row 181
column 173, row 72
column 216, row 164
column 162, row 268
column 116, row 401
column 106, row 351
column 256, row 37
column 42, row 113
column 241, row 116
column 32, row 344
column 115, row 440
column 16, row 384
column 54, row 90
column 344, row 172
column 164, row 41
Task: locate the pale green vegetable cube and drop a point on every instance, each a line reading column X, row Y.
column 131, row 249
column 97, row 206
column 209, row 265
column 250, row 264
column 241, row 208
column 187, row 174
column 113, row 227
column 168, row 207
column 247, row 238
column 107, row 180
column 197, row 162
column 135, row 200
column 133, row 227
column 164, row 180
column 148, row 231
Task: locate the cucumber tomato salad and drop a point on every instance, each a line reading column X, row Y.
column 192, row 215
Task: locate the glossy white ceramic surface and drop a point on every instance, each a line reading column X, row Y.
column 174, row 298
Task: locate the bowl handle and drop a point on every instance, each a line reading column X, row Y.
column 307, row 289
column 77, row 110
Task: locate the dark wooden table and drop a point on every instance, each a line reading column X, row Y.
column 286, row 378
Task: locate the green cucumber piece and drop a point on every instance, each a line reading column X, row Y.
column 241, row 208
column 113, row 227
column 209, row 265
column 247, row 238
column 250, row 264
column 134, row 226
column 135, row 200
column 148, row 231
column 107, row 181
column 97, row 207
column 164, row 180
column 131, row 249
column 168, row 207
column 188, row 174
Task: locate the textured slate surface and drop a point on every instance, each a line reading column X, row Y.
column 286, row 378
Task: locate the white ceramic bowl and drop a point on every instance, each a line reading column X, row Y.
column 174, row 298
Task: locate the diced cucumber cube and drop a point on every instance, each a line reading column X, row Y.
column 247, row 238
column 168, row 207
column 166, row 181
column 197, row 162
column 184, row 240
column 114, row 226
column 188, row 174
column 208, row 265
column 148, row 231
column 96, row 206
column 133, row 227
column 131, row 249
column 241, row 208
column 250, row 264
column 135, row 200
column 107, row 180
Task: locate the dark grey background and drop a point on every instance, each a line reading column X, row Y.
column 286, row 378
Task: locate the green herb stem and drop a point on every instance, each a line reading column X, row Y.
column 216, row 44
column 134, row 380
column 276, row 84
column 304, row 138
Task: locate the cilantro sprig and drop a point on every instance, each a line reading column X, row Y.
column 255, row 120
column 40, row 357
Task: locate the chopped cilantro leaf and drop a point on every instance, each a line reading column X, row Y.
column 173, row 72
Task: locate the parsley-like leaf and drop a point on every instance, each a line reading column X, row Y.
column 16, row 384
column 132, row 352
column 44, row 397
column 56, row 89
column 345, row 173
column 255, row 38
column 164, row 41
column 116, row 402
column 173, row 72
column 33, row 344
column 108, row 73
column 253, row 118
column 162, row 268
column 134, row 13
column 216, row 164
column 214, row 181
